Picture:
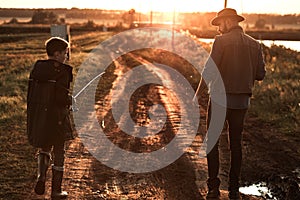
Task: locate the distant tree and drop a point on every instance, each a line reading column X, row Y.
column 260, row 24
column 90, row 24
column 13, row 21
column 52, row 17
column 44, row 17
column 129, row 17
column 273, row 26
column 62, row 20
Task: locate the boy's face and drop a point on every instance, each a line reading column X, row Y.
column 61, row 56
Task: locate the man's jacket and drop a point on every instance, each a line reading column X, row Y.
column 48, row 102
column 239, row 60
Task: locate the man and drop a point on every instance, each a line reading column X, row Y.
column 239, row 61
column 48, row 120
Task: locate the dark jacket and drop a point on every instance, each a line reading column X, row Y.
column 48, row 103
column 239, row 60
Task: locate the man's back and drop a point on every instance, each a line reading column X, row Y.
column 239, row 60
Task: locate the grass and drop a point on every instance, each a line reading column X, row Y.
column 17, row 157
column 275, row 100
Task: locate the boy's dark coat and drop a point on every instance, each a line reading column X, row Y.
column 48, row 103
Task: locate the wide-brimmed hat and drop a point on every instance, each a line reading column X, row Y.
column 225, row 13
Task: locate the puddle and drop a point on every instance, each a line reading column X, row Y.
column 259, row 189
column 282, row 187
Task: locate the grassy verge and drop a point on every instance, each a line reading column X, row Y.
column 17, row 157
column 277, row 99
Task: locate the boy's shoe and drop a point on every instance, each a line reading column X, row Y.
column 43, row 164
column 213, row 193
column 57, row 192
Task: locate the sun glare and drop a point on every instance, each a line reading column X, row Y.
column 155, row 5
column 242, row 6
column 179, row 5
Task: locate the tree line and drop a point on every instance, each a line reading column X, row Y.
column 42, row 16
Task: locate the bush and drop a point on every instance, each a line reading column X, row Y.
column 44, row 17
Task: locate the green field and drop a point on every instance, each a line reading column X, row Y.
column 276, row 101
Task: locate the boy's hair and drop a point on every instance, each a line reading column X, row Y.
column 55, row 44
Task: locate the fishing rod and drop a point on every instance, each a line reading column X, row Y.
column 74, row 107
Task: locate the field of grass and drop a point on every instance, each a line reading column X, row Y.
column 275, row 101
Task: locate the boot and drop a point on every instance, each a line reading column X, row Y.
column 43, row 164
column 57, row 176
column 213, row 188
column 213, row 193
column 234, row 193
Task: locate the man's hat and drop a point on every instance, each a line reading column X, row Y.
column 226, row 12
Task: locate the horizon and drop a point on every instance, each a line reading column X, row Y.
column 58, row 8
column 187, row 6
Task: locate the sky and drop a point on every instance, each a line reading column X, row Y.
column 242, row 6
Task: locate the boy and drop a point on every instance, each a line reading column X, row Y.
column 48, row 107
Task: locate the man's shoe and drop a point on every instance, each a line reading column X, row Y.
column 213, row 193
column 234, row 195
